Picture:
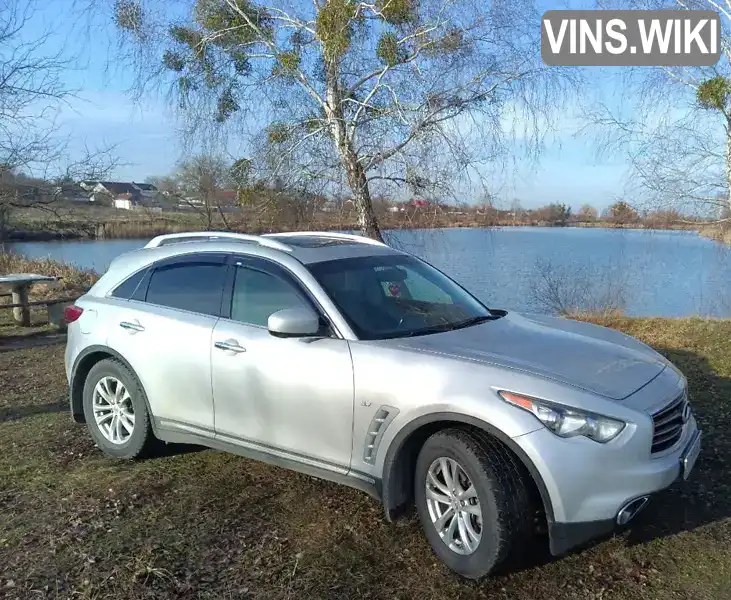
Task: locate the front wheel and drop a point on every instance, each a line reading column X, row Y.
column 473, row 500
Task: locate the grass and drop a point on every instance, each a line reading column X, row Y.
column 720, row 232
column 72, row 282
column 207, row 525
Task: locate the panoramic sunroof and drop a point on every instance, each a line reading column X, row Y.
column 311, row 241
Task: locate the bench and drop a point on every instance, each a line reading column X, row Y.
column 54, row 306
column 17, row 285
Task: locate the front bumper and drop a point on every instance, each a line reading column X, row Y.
column 589, row 483
column 564, row 536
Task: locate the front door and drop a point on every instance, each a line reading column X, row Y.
column 292, row 396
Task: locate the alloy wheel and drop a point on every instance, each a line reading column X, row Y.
column 454, row 506
column 113, row 410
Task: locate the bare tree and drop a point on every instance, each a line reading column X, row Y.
column 587, row 213
column 621, row 213
column 375, row 95
column 674, row 124
column 577, row 289
column 34, row 157
column 203, row 181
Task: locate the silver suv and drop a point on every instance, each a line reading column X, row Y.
column 341, row 357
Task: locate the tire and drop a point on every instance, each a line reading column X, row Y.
column 501, row 488
column 141, row 441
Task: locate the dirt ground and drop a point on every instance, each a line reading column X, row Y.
column 204, row 524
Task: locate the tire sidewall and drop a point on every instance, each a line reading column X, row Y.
column 133, row 446
column 489, row 550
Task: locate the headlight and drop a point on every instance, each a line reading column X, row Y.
column 567, row 422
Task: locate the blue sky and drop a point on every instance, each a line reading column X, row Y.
column 147, row 142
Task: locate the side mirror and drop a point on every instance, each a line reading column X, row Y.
column 294, row 322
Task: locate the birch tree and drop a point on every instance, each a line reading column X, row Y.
column 673, row 123
column 413, row 94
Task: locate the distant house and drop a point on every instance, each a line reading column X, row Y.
column 88, row 184
column 128, row 201
column 125, row 202
column 73, row 192
column 147, row 190
column 223, row 198
column 115, row 188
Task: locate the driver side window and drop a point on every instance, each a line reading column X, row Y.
column 257, row 295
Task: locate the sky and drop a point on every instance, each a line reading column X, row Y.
column 147, row 142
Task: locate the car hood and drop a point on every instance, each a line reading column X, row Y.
column 597, row 359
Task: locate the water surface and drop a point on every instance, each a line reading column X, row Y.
column 662, row 273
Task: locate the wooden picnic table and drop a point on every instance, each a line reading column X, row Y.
column 19, row 284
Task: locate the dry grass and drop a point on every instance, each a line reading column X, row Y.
column 205, row 525
column 720, row 232
column 73, row 282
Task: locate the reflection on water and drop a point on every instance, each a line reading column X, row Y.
column 666, row 273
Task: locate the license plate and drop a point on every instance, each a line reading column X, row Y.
column 690, row 456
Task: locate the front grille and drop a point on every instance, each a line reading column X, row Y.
column 668, row 424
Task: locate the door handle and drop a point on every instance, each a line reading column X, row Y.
column 131, row 326
column 230, row 345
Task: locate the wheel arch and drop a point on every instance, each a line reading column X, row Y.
column 84, row 362
column 397, row 482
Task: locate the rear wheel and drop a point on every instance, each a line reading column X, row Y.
column 473, row 500
column 116, row 412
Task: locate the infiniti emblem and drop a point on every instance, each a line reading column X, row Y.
column 686, row 411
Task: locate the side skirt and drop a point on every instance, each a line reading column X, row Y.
column 354, row 479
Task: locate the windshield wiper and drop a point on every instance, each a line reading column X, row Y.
column 474, row 321
column 450, row 326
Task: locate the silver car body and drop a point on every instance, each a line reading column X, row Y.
column 347, row 409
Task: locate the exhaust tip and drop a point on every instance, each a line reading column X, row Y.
column 630, row 510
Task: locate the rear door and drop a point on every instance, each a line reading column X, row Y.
column 164, row 331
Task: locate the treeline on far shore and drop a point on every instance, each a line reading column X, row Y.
column 103, row 222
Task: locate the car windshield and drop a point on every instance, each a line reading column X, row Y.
column 397, row 296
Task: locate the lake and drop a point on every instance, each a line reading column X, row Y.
column 660, row 273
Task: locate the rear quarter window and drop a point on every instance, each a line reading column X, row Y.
column 132, row 288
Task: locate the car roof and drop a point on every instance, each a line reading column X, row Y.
column 290, row 250
column 306, row 246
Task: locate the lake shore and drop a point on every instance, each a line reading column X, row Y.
column 104, row 223
column 720, row 233
column 205, row 524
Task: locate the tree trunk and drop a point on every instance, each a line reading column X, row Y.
column 357, row 180
column 367, row 222
column 728, row 169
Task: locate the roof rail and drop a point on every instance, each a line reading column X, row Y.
column 328, row 234
column 214, row 236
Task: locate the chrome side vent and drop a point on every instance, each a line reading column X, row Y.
column 377, row 427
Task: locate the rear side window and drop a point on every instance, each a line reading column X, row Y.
column 129, row 286
column 196, row 287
